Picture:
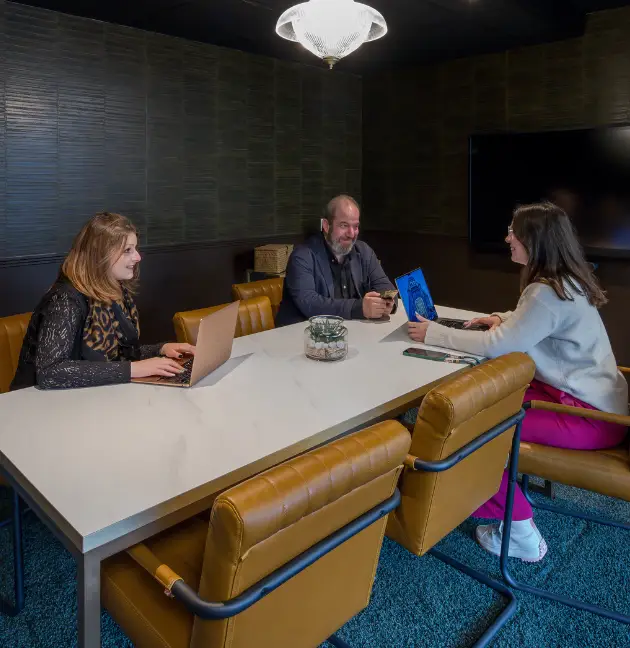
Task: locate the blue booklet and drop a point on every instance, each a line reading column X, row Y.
column 415, row 296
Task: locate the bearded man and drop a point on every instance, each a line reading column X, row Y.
column 333, row 273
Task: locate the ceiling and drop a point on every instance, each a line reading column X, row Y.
column 420, row 31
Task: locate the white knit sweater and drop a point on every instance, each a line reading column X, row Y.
column 565, row 338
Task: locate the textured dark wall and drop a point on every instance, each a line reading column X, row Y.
column 415, row 141
column 195, row 143
column 172, row 278
column 417, row 121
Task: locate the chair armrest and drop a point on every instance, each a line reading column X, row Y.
column 177, row 588
column 414, row 463
column 162, row 573
column 579, row 411
column 624, row 370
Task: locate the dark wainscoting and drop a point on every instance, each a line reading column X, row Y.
column 186, row 277
column 180, row 277
column 457, row 276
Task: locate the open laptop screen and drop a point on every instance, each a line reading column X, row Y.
column 415, row 296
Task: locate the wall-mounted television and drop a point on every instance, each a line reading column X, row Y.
column 587, row 172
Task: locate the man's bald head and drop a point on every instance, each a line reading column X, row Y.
column 340, row 204
column 341, row 224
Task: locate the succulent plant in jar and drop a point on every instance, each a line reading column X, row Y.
column 326, row 338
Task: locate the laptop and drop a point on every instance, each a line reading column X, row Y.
column 416, row 298
column 213, row 348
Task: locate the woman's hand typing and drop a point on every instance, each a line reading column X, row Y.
column 155, row 367
column 177, row 349
column 492, row 322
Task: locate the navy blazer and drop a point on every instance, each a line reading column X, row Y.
column 309, row 288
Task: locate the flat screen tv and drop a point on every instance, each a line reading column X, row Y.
column 587, row 172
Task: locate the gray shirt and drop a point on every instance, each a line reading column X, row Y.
column 565, row 338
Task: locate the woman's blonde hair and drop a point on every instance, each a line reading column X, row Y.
column 96, row 247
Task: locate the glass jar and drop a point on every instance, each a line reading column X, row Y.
column 326, row 338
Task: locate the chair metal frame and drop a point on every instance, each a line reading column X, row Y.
column 176, row 587
column 507, row 520
column 508, row 612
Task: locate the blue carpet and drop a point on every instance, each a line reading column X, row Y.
column 416, row 601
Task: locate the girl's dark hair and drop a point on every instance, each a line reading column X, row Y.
column 555, row 254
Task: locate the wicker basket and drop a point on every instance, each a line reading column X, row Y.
column 272, row 258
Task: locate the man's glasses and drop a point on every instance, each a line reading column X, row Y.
column 510, row 230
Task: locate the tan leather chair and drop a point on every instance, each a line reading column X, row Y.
column 254, row 315
column 12, row 331
column 272, row 288
column 460, row 444
column 256, row 528
column 452, row 415
column 606, row 472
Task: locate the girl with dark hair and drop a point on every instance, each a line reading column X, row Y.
column 558, row 324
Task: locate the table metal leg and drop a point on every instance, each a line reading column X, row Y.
column 18, row 561
column 18, row 554
column 89, row 601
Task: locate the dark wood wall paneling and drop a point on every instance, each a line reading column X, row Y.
column 416, row 124
column 172, row 278
column 199, row 145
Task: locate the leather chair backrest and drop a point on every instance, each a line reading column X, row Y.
column 254, row 315
column 12, row 331
column 261, row 524
column 451, row 415
column 272, row 288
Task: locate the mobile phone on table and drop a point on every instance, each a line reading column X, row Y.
column 425, row 354
column 438, row 356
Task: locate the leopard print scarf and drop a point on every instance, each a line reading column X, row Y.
column 111, row 328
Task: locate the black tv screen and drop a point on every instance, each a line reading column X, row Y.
column 586, row 172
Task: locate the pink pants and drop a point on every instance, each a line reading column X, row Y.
column 558, row 431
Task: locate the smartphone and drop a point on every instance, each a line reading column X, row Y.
column 425, row 354
column 388, row 294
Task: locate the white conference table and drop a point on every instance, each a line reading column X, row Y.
column 108, row 467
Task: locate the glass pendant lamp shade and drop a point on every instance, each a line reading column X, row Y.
column 331, row 29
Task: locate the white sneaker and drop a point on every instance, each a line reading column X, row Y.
column 526, row 541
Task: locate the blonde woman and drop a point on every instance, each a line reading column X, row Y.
column 85, row 330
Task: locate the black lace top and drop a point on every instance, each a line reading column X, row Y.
column 53, row 354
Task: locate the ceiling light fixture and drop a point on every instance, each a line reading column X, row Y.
column 331, row 29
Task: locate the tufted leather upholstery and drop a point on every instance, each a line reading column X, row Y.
column 12, row 331
column 255, row 528
column 601, row 471
column 254, row 315
column 272, row 288
column 451, row 415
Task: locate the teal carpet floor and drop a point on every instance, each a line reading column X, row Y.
column 416, row 601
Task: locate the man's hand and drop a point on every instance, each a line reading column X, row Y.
column 374, row 306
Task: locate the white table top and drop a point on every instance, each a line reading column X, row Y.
column 108, row 460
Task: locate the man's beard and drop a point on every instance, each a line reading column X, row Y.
column 338, row 248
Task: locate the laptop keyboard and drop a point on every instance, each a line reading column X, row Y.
column 449, row 323
column 182, row 378
column 459, row 324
